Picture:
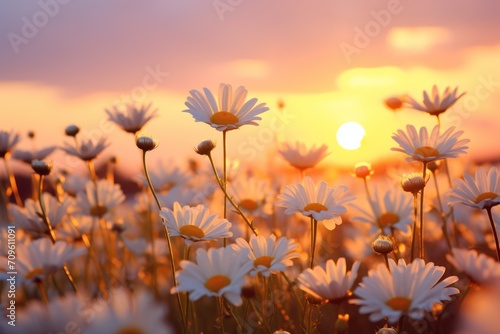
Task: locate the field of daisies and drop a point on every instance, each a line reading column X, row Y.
column 210, row 248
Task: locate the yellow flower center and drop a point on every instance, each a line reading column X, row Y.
column 192, row 231
column 217, row 282
column 224, row 118
column 316, row 207
column 388, row 219
column 129, row 330
column 34, row 273
column 486, row 195
column 98, row 210
column 399, row 303
column 263, row 261
column 426, row 151
column 249, row 204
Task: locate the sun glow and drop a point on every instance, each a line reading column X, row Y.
column 350, row 135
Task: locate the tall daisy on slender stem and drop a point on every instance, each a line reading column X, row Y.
column 300, row 156
column 133, row 118
column 230, row 112
column 146, row 143
column 482, row 192
column 319, row 203
column 426, row 148
column 43, row 168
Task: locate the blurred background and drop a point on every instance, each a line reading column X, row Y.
column 330, row 62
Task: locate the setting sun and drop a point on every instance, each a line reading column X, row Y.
column 350, row 135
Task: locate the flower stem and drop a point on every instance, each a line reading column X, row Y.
column 51, row 230
column 414, row 232
column 167, row 235
column 236, row 207
column 441, row 213
column 424, row 170
column 494, row 229
column 13, row 183
column 314, row 230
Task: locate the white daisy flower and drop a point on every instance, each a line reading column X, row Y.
column 29, row 155
column 480, row 268
column 87, row 148
column 253, row 196
column 333, row 283
column 406, row 289
column 217, row 273
column 302, row 157
column 165, row 177
column 393, row 212
column 195, row 223
column 435, row 104
column 41, row 258
column 482, row 191
column 133, row 118
column 268, row 255
column 129, row 312
column 29, row 219
column 229, row 113
column 63, row 313
column 321, row 203
column 422, row 147
column 8, row 140
column 99, row 199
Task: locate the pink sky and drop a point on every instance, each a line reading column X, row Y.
column 66, row 61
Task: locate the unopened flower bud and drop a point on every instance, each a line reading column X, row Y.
column 413, row 182
column 342, row 324
column 145, row 142
column 394, row 103
column 363, row 170
column 31, row 134
column 248, row 290
column 383, row 245
column 205, row 147
column 72, row 130
column 41, row 167
column 433, row 165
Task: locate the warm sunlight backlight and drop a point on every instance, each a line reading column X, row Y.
column 350, row 134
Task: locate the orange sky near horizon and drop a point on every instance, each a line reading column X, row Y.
column 322, row 85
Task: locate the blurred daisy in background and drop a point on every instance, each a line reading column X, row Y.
column 302, row 157
column 426, row 148
column 133, row 118
column 393, row 212
column 253, row 196
column 479, row 268
column 99, row 199
column 41, row 258
column 129, row 312
column 435, row 104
